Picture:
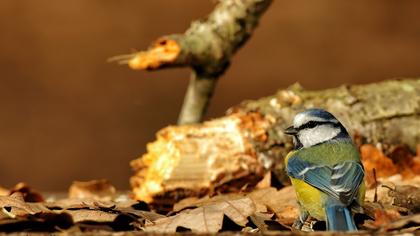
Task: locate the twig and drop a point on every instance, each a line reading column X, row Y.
column 375, row 197
column 207, row 47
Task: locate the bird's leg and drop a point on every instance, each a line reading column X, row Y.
column 303, row 216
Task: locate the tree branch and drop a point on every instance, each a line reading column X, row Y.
column 207, row 47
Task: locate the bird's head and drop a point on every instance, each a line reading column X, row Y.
column 315, row 126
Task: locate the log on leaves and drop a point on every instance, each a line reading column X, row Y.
column 233, row 153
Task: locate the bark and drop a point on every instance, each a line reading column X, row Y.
column 385, row 114
column 232, row 153
column 207, row 47
column 406, row 196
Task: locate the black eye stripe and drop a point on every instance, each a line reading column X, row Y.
column 312, row 124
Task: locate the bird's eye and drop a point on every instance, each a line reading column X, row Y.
column 311, row 124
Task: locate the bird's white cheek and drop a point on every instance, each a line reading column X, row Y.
column 317, row 135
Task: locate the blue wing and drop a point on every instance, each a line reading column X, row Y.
column 340, row 181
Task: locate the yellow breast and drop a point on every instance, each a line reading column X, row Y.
column 309, row 198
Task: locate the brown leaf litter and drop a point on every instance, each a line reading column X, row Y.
column 81, row 214
column 95, row 206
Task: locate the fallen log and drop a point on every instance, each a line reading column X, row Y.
column 233, row 153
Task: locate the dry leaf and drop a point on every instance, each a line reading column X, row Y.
column 41, row 222
column 372, row 158
column 188, row 202
column 399, row 162
column 384, row 217
column 29, row 194
column 282, row 202
column 76, row 203
column 406, row 162
column 91, row 215
column 15, row 206
column 146, row 215
column 262, row 221
column 265, row 182
column 194, row 202
column 207, row 218
column 404, row 221
column 101, row 190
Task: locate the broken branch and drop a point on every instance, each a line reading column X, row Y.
column 233, row 152
column 207, row 47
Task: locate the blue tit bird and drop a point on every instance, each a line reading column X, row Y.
column 325, row 170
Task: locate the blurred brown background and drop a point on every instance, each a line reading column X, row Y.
column 66, row 114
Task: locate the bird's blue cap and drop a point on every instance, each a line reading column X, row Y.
column 318, row 112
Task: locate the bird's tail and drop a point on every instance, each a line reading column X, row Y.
column 339, row 218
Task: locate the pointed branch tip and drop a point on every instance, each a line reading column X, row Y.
column 163, row 52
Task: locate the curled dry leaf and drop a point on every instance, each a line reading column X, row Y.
column 265, row 223
column 265, row 182
column 281, row 202
column 28, row 193
column 101, row 190
column 207, row 218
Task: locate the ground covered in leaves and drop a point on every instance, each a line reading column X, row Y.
column 392, row 206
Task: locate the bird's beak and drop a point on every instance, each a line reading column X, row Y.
column 290, row 131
